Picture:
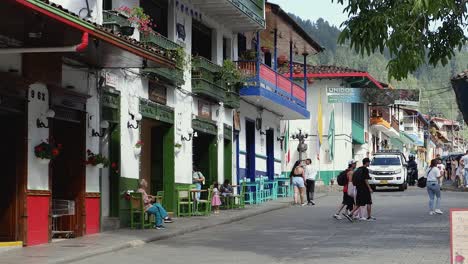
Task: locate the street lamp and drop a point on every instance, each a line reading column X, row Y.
column 301, row 136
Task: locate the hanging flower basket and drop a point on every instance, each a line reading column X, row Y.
column 97, row 160
column 138, row 146
column 47, row 151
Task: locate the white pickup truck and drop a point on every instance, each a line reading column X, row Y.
column 388, row 169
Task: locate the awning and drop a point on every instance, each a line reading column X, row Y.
column 397, row 143
column 416, row 140
column 405, row 138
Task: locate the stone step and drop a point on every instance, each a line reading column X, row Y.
column 110, row 223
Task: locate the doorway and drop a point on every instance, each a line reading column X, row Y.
column 250, row 148
column 270, row 148
column 157, row 159
column 11, row 189
column 205, row 156
column 67, row 175
column 114, row 178
column 228, row 160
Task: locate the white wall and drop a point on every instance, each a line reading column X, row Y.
column 343, row 129
column 270, row 120
column 79, row 8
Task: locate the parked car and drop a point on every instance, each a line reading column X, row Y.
column 388, row 169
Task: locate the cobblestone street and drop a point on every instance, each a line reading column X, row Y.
column 403, row 233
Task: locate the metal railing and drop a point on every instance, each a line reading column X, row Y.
column 267, row 78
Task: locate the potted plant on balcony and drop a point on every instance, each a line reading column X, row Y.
column 97, row 160
column 180, row 58
column 231, row 75
column 249, row 55
column 47, row 151
column 138, row 19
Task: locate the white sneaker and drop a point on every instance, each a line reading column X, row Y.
column 356, row 217
column 362, row 219
column 431, row 213
column 337, row 217
column 438, row 211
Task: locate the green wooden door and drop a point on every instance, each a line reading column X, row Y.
column 114, row 155
column 228, row 160
column 169, row 201
column 213, row 161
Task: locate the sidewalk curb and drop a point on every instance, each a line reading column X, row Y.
column 178, row 232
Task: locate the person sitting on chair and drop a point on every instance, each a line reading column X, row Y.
column 153, row 207
column 226, row 189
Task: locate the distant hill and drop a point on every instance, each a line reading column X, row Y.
column 433, row 82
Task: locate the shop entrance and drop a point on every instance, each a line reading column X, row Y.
column 270, row 148
column 250, row 149
column 228, row 160
column 205, row 156
column 157, row 159
column 67, row 174
column 12, row 186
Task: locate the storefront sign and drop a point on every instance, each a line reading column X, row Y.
column 459, row 235
column 111, row 80
column 376, row 96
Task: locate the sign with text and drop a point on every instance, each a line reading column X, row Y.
column 458, row 236
column 375, row 96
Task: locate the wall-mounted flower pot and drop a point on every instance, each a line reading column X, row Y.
column 43, row 161
column 127, row 30
column 137, row 151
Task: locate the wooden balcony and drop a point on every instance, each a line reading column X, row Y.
column 205, row 80
column 281, row 91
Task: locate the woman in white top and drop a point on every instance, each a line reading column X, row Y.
column 433, row 188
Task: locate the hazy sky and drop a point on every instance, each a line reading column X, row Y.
column 314, row 9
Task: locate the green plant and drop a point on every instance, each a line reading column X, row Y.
column 248, row 55
column 139, row 144
column 138, row 18
column 180, row 58
column 47, row 150
column 96, row 159
column 231, row 74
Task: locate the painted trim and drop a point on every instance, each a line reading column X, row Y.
column 38, row 193
column 260, row 156
column 339, row 75
column 93, row 195
column 259, row 91
column 241, row 152
column 278, row 161
column 11, row 244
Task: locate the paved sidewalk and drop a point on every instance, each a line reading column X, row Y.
column 67, row 251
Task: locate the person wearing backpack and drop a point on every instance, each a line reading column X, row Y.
column 343, row 179
column 433, row 187
column 363, row 196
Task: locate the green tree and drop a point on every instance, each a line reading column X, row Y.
column 413, row 31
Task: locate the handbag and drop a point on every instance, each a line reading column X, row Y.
column 351, row 190
column 422, row 182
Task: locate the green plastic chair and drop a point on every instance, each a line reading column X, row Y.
column 282, row 191
column 239, row 199
column 138, row 216
column 204, row 206
column 184, row 201
column 274, row 190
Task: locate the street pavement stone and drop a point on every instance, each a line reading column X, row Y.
column 404, row 233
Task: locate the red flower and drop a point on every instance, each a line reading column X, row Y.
column 38, row 149
column 114, row 165
column 55, row 152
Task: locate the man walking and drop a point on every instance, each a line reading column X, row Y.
column 310, row 174
column 464, row 162
column 363, row 197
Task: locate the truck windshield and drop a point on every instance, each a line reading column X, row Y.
column 385, row 161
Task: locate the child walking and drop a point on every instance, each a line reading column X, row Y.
column 216, row 200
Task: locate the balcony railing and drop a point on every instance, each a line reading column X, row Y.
column 205, row 81
column 267, row 78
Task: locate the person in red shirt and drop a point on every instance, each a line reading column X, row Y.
column 348, row 201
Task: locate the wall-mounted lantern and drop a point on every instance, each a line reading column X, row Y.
column 191, row 134
column 135, row 118
column 104, row 126
column 49, row 114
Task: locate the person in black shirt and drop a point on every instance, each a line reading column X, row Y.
column 363, row 197
column 412, row 171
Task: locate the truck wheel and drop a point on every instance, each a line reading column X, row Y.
column 406, row 185
column 401, row 188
